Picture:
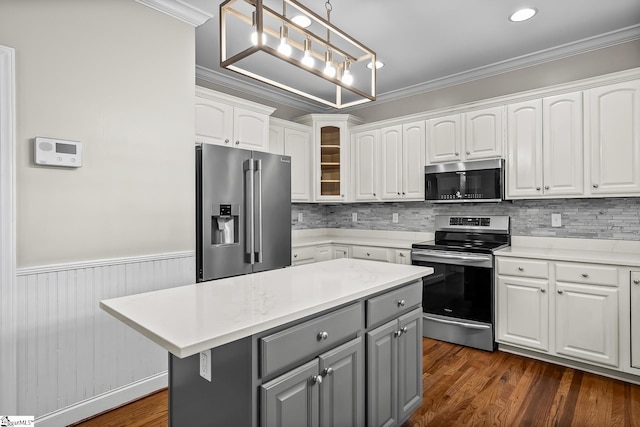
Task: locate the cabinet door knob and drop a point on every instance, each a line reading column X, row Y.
column 403, row 193
column 295, row 255
column 327, row 371
column 398, row 193
column 401, row 255
column 636, row 282
column 404, row 330
column 546, row 187
column 401, row 303
column 316, row 379
column 226, row 141
column 368, row 254
column 457, row 153
column 537, row 188
column 374, row 194
column 237, row 142
column 323, row 335
column 560, row 291
column 520, row 269
column 468, row 152
column 585, row 275
column 595, row 185
column 543, row 290
column 397, row 333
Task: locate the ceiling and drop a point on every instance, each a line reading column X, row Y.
column 431, row 44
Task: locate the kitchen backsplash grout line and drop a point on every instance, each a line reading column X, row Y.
column 610, row 218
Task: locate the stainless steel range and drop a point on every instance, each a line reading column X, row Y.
column 458, row 298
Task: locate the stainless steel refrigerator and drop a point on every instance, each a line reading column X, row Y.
column 243, row 211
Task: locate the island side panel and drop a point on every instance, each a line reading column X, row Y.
column 228, row 400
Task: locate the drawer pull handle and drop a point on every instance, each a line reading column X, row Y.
column 636, row 282
column 520, row 269
column 323, row 335
column 316, row 379
column 585, row 275
column 401, row 303
column 560, row 291
column 401, row 255
column 327, row 371
column 543, row 290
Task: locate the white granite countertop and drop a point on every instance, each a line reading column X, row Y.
column 614, row 252
column 188, row 319
column 378, row 238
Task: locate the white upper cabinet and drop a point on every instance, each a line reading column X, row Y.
column 473, row 135
column 483, row 133
column 413, row 150
column 364, row 165
column 444, row 143
column 614, row 135
column 524, row 152
column 391, row 166
column 545, row 147
column 294, row 140
column 225, row 120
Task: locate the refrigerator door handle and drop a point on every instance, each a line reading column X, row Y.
column 249, row 229
column 258, row 223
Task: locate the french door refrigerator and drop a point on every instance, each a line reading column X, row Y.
column 243, row 211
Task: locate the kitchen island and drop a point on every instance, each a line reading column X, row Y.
column 293, row 346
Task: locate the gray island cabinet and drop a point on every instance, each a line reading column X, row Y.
column 337, row 343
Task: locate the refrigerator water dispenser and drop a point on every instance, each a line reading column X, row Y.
column 224, row 225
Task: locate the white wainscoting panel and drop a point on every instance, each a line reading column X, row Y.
column 70, row 351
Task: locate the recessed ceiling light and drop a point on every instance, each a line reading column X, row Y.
column 523, row 14
column 378, row 65
column 302, row 20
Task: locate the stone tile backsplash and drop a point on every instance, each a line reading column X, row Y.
column 611, row 218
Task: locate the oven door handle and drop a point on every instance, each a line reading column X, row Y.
column 422, row 256
column 463, row 324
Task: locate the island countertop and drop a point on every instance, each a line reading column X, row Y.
column 188, row 319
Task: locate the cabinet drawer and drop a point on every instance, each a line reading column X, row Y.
column 523, row 268
column 372, row 253
column 587, row 273
column 309, row 338
column 304, row 253
column 391, row 304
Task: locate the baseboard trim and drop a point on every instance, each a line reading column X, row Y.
column 104, row 402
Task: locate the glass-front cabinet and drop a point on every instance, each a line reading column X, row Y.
column 331, row 154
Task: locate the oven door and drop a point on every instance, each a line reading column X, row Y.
column 457, row 299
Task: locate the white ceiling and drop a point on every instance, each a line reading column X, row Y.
column 429, row 44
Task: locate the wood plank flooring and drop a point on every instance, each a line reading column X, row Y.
column 467, row 387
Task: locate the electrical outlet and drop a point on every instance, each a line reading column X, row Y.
column 205, row 365
column 300, row 217
column 556, row 220
column 354, row 216
column 394, row 218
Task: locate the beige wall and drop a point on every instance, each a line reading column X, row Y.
column 118, row 77
column 590, row 64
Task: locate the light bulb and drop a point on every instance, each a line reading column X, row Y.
column 329, row 68
column 307, row 59
column 254, row 38
column 347, row 77
column 284, row 47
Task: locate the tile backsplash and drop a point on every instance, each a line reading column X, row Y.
column 611, row 218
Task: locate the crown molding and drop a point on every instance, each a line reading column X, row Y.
column 612, row 38
column 260, row 90
column 180, row 10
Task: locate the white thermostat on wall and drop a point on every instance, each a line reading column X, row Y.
column 57, row 152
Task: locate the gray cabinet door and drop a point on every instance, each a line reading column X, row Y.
column 342, row 389
column 382, row 375
column 292, row 399
column 410, row 364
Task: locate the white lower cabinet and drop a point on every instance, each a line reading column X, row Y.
column 323, row 253
column 303, row 255
column 370, row 252
column 587, row 322
column 341, row 252
column 635, row 319
column 309, row 254
column 565, row 309
column 402, row 256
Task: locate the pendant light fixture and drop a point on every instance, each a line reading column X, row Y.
column 332, row 72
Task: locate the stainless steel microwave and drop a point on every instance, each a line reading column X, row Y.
column 476, row 181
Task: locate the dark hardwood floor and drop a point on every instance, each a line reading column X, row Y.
column 467, row 387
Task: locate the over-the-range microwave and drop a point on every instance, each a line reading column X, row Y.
column 473, row 181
